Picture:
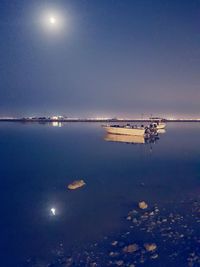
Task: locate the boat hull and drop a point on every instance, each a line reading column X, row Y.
column 125, row 131
column 161, row 126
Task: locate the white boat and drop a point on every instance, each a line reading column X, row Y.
column 158, row 122
column 159, row 125
column 125, row 130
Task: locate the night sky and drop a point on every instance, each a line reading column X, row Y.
column 108, row 58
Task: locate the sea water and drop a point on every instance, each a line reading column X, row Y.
column 38, row 161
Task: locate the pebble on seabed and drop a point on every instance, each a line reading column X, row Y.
column 130, row 248
column 114, row 243
column 150, row 246
column 143, row 205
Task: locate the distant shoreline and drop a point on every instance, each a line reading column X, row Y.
column 90, row 120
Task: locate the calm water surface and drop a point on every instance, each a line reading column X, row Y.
column 39, row 161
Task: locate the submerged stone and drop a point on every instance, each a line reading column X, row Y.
column 143, row 205
column 130, row 248
column 150, row 246
column 114, row 243
column 76, row 184
column 154, row 256
column 119, row 262
column 113, row 254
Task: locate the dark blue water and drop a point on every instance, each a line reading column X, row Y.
column 39, row 161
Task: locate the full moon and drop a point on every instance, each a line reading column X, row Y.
column 52, row 20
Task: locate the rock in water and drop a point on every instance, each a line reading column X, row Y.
column 143, row 205
column 114, row 243
column 150, row 246
column 76, row 184
column 130, row 248
column 119, row 262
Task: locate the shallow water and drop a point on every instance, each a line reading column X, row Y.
column 38, row 161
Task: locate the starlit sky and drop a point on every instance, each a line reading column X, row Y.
column 100, row 57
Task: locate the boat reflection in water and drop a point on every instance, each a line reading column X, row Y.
column 161, row 131
column 130, row 139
